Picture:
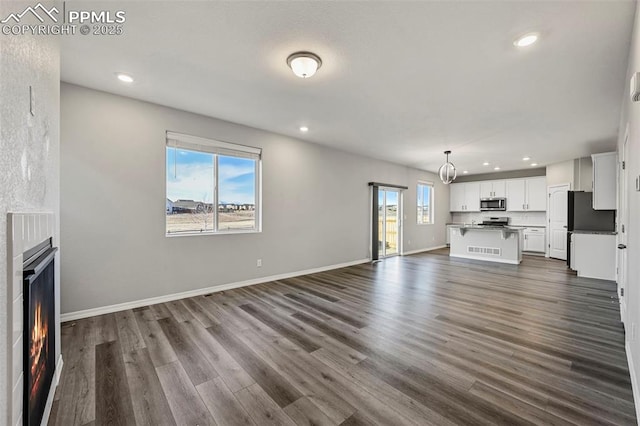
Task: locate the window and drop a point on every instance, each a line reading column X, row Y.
column 425, row 203
column 212, row 186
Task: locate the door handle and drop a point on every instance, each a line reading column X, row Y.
column 621, row 246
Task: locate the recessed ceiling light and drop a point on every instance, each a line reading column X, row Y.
column 534, row 164
column 496, row 168
column 465, row 172
column 304, row 129
column 304, row 64
column 125, row 78
column 526, row 40
column 526, row 158
column 486, row 163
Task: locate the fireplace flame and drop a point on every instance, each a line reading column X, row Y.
column 38, row 348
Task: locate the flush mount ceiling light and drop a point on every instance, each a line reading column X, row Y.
column 125, row 78
column 496, row 168
column 486, row 163
column 304, row 64
column 304, row 129
column 534, row 164
column 526, row 158
column 447, row 171
column 526, row 40
column 465, row 172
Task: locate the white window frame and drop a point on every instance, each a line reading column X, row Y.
column 195, row 143
column 431, row 203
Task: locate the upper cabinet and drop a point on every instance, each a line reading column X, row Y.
column 604, row 181
column 456, row 197
column 528, row 194
column 516, row 195
column 537, row 194
column 464, row 197
column 472, row 196
column 493, row 189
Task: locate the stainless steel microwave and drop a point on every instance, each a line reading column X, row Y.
column 493, row 204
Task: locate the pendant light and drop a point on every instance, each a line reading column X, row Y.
column 447, row 171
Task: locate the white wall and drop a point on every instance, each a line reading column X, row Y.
column 29, row 151
column 582, row 174
column 631, row 116
column 560, row 173
column 315, row 205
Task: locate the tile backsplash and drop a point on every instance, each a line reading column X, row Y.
column 516, row 218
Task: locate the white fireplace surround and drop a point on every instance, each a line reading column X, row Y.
column 26, row 230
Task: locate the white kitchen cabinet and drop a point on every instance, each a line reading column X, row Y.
column 604, row 181
column 499, row 188
column 536, row 194
column 594, row 255
column 492, row 189
column 516, row 195
column 528, row 194
column 534, row 240
column 456, row 197
column 464, row 197
column 472, row 196
column 448, row 236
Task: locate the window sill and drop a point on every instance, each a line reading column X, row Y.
column 197, row 234
column 426, row 224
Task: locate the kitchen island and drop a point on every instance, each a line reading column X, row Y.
column 501, row 244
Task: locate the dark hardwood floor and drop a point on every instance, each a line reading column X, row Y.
column 423, row 340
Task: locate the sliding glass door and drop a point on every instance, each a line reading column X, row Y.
column 389, row 222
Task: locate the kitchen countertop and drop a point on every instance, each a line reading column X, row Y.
column 578, row 231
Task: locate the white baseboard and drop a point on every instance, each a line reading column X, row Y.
column 52, row 391
column 407, row 253
column 634, row 381
column 86, row 313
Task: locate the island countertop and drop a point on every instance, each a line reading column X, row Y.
column 504, row 229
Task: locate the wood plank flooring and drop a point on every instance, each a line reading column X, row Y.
column 417, row 340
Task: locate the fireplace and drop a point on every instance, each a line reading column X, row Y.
column 39, row 352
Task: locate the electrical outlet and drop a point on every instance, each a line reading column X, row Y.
column 259, row 263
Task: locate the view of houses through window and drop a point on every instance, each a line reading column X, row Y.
column 425, row 203
column 209, row 189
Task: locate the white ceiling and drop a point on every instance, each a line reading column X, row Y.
column 400, row 81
